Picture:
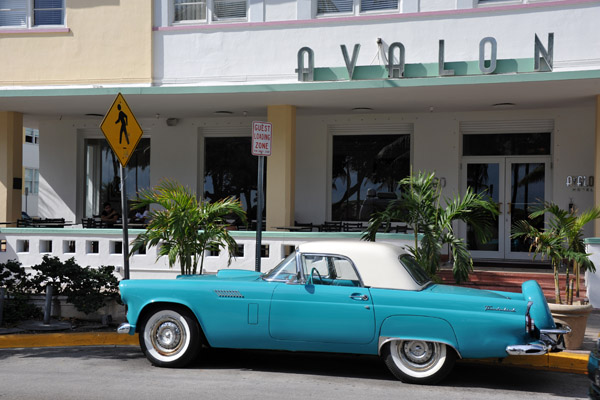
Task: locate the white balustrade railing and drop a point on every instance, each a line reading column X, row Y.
column 96, row 247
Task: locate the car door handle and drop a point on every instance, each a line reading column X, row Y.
column 358, row 296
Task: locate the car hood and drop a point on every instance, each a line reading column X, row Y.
column 462, row 291
column 229, row 274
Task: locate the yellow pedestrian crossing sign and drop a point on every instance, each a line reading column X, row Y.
column 121, row 129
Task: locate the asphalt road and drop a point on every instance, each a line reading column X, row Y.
column 124, row 373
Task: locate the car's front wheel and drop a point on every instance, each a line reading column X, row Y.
column 417, row 361
column 170, row 337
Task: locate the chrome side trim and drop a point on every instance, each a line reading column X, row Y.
column 385, row 339
column 533, row 349
column 124, row 328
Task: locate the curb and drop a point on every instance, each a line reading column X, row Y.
column 566, row 361
column 67, row 339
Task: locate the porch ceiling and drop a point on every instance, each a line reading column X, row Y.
column 185, row 102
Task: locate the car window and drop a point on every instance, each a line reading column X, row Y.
column 414, row 269
column 284, row 271
column 329, row 270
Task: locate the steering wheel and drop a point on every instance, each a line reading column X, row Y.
column 312, row 272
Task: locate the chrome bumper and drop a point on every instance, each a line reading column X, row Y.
column 124, row 328
column 551, row 340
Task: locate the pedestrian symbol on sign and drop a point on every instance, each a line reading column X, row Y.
column 123, row 120
column 121, row 129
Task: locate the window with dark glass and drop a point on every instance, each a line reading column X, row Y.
column 230, row 170
column 366, row 170
column 48, row 12
column 507, row 144
column 102, row 179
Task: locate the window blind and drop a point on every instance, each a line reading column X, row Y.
column 48, row 12
column 229, row 9
column 13, row 12
column 373, row 5
column 189, row 10
column 334, row 6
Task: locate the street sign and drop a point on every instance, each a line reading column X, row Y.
column 121, row 129
column 261, row 138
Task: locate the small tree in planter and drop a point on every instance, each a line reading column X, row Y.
column 561, row 240
column 186, row 227
column 419, row 206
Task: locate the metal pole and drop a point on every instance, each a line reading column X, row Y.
column 124, row 219
column 48, row 304
column 259, row 211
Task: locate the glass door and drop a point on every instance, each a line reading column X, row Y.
column 485, row 178
column 527, row 186
column 516, row 185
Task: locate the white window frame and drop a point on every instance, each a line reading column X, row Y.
column 356, row 11
column 32, row 185
column 29, row 18
column 492, row 3
column 34, row 134
column 210, row 17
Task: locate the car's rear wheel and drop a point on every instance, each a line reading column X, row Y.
column 170, row 337
column 417, row 361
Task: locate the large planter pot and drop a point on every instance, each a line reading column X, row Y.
column 575, row 316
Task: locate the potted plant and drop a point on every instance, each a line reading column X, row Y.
column 561, row 241
column 419, row 207
column 186, row 227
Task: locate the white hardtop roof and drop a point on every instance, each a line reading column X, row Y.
column 377, row 263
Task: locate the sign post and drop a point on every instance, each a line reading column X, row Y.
column 261, row 147
column 123, row 133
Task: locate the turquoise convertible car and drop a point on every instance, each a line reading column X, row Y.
column 339, row 297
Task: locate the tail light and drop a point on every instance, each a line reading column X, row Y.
column 529, row 322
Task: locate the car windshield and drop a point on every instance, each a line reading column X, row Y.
column 284, row 271
column 414, row 269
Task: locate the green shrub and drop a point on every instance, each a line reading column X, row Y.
column 86, row 288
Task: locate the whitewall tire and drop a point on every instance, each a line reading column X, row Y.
column 170, row 337
column 417, row 361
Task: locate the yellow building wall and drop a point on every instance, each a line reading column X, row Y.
column 107, row 43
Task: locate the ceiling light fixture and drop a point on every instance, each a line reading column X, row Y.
column 503, row 105
column 224, row 112
column 362, row 110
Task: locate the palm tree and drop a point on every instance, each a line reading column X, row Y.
column 186, row 227
column 562, row 239
column 419, row 207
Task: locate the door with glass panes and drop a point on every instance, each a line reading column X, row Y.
column 517, row 185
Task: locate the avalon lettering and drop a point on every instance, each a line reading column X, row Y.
column 543, row 59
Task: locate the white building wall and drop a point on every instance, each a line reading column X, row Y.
column 177, row 153
column 210, row 54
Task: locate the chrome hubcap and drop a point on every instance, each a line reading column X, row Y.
column 167, row 337
column 418, row 355
column 417, row 352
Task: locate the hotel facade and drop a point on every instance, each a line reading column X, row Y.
column 501, row 96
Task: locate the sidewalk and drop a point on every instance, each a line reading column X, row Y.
column 566, row 361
